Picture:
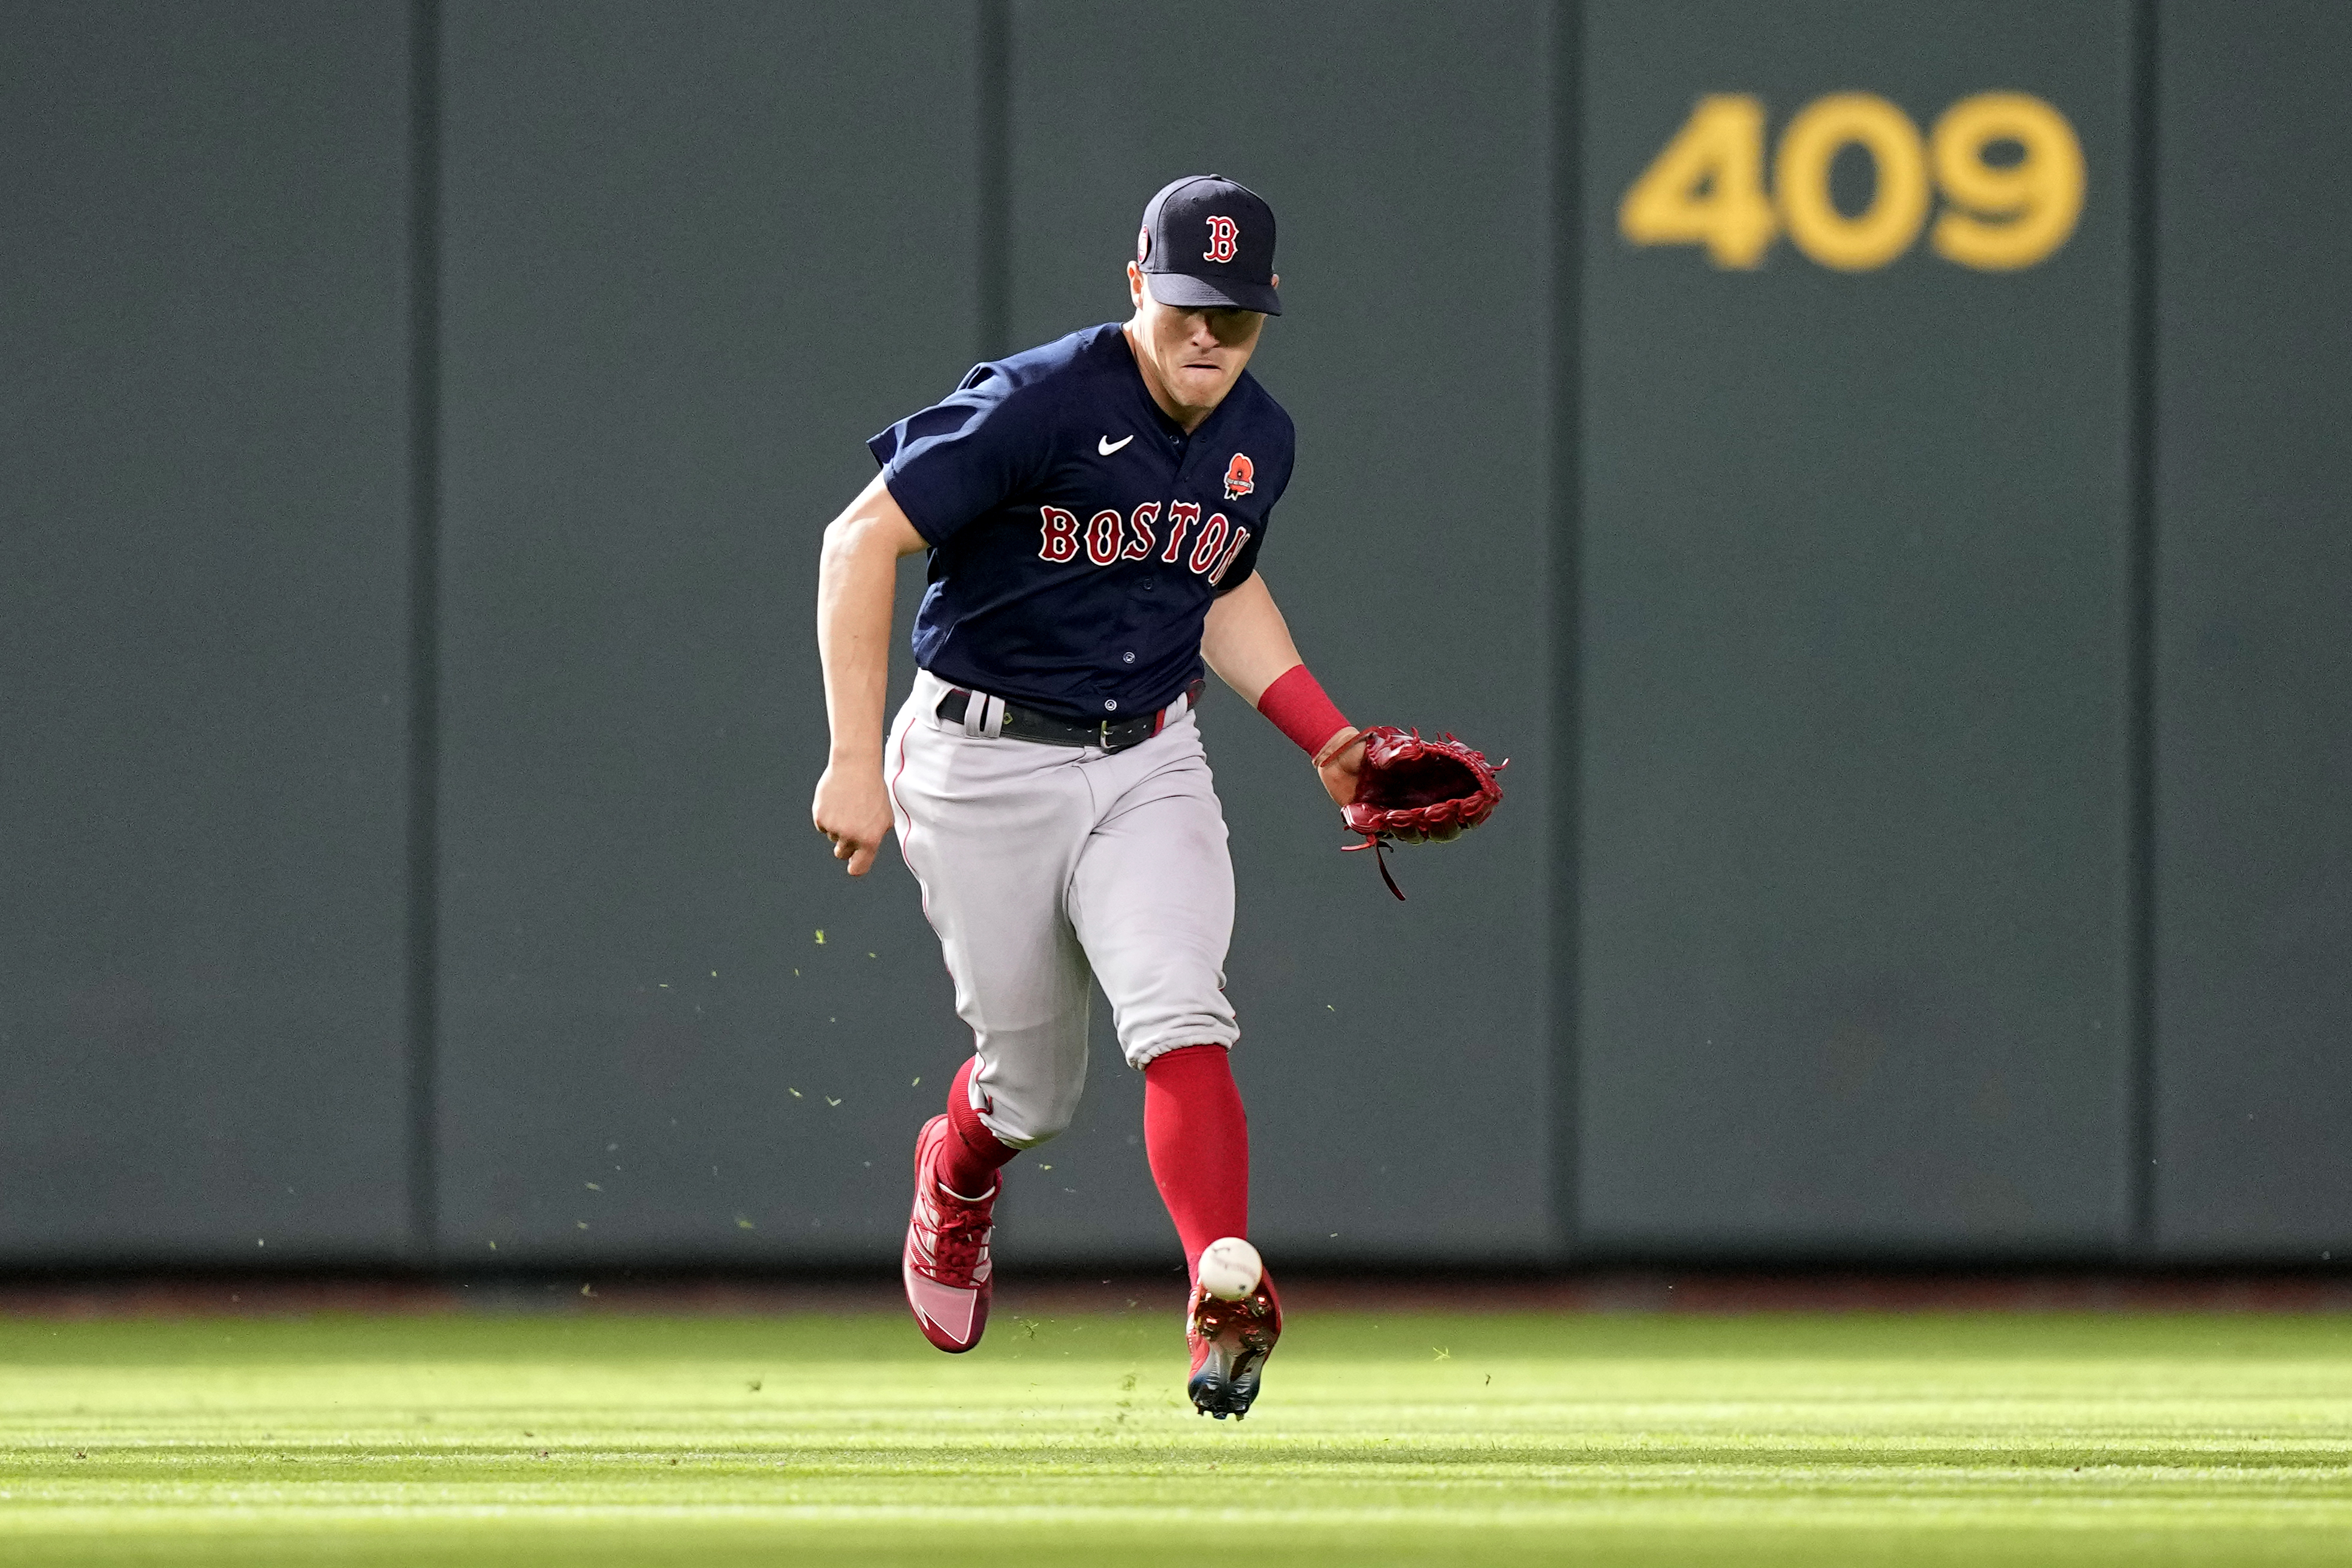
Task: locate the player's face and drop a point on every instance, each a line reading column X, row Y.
column 1192, row 356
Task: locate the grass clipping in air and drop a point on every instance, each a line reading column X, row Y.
column 1396, row 1439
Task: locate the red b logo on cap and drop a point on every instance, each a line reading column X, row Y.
column 1240, row 476
column 1223, row 240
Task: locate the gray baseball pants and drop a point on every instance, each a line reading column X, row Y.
column 1045, row 865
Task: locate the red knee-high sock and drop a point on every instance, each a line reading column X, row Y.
column 1198, row 1138
column 968, row 1161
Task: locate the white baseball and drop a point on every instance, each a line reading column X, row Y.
column 1231, row 1268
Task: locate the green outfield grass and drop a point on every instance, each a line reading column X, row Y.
column 593, row 1440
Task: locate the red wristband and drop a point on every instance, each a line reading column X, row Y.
column 1297, row 705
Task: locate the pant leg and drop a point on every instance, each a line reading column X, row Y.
column 991, row 829
column 1152, row 896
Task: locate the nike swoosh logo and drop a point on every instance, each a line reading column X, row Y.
column 1105, row 446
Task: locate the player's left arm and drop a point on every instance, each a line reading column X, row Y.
column 1248, row 644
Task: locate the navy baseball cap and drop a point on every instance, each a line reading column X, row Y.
column 1208, row 244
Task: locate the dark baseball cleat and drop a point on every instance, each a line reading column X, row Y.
column 1230, row 1341
column 945, row 1264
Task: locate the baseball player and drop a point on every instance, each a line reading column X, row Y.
column 1094, row 512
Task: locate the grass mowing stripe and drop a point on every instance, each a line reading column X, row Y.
column 2145, row 1440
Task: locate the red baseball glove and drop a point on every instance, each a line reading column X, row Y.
column 1411, row 790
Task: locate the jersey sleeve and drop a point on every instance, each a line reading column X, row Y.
column 962, row 457
column 1273, row 484
column 1243, row 564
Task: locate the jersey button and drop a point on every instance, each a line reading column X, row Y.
column 1126, row 659
column 1112, row 706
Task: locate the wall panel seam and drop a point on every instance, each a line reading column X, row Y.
column 423, row 628
column 1564, row 408
column 2140, row 590
column 992, row 146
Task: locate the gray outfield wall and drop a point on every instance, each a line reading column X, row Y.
column 1929, row 833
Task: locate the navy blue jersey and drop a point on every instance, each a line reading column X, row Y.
column 1077, row 535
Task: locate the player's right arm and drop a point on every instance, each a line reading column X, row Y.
column 858, row 576
column 1247, row 643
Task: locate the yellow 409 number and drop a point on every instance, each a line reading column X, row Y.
column 1706, row 187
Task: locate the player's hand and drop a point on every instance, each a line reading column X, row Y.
column 852, row 809
column 1339, row 770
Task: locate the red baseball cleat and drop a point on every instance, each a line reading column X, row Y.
column 945, row 1264
column 1230, row 1340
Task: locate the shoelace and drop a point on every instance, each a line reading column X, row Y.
column 962, row 1233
